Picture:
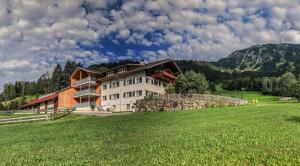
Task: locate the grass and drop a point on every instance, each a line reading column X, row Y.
column 18, row 99
column 267, row 133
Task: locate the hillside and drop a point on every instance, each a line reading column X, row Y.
column 267, row 57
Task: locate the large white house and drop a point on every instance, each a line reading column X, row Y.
column 121, row 87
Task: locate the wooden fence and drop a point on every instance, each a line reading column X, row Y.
column 45, row 115
column 25, row 119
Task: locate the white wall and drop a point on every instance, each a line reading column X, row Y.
column 121, row 103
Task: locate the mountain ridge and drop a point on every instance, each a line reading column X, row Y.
column 264, row 57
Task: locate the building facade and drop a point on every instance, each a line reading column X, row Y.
column 116, row 89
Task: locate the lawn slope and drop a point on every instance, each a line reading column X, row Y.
column 263, row 134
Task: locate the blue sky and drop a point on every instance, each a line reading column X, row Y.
column 36, row 35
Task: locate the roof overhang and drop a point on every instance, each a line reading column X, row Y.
column 83, row 69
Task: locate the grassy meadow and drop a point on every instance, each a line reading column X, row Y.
column 263, row 133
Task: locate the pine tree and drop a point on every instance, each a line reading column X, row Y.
column 44, row 84
column 57, row 78
column 69, row 68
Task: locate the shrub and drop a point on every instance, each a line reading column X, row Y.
column 93, row 106
column 191, row 81
column 162, row 109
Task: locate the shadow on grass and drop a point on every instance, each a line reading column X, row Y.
column 294, row 119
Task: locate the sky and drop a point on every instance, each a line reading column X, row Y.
column 36, row 35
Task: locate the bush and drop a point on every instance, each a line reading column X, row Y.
column 93, row 106
column 212, row 86
column 2, row 107
column 162, row 109
column 170, row 89
column 191, row 81
column 74, row 108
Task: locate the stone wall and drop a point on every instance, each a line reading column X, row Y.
column 185, row 102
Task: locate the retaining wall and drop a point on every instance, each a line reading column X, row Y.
column 185, row 102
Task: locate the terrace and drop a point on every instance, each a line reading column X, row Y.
column 85, row 81
column 86, row 92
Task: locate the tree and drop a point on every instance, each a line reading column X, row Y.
column 170, row 88
column 69, row 68
column 57, row 78
column 288, row 79
column 212, row 86
column 191, row 82
column 44, row 84
column 22, row 101
column 294, row 90
column 13, row 105
column 2, row 107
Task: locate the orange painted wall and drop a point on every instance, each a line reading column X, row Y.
column 73, row 80
column 98, row 90
column 65, row 98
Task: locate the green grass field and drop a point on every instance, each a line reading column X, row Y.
column 264, row 133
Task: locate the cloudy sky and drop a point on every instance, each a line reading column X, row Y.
column 35, row 35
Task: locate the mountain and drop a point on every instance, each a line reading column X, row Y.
column 264, row 58
column 106, row 66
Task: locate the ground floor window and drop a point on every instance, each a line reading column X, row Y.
column 132, row 94
column 128, row 106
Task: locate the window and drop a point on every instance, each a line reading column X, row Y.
column 114, row 96
column 152, row 82
column 139, row 93
column 133, row 81
column 151, row 93
column 129, row 94
column 124, row 95
column 110, row 73
column 155, row 82
column 104, row 97
column 115, row 84
column 104, row 87
column 147, row 80
column 133, row 93
column 122, row 70
column 147, row 93
column 114, row 106
column 139, row 80
column 128, row 106
column 129, row 82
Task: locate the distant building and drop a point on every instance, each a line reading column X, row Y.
column 116, row 89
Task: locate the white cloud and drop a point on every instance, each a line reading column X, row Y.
column 42, row 33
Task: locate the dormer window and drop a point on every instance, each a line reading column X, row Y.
column 110, row 73
column 122, row 70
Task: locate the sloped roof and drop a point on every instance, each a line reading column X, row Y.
column 142, row 67
column 41, row 99
column 84, row 69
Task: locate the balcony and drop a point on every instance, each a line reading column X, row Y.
column 86, row 92
column 84, row 81
column 85, row 104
